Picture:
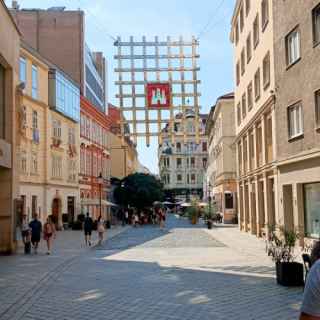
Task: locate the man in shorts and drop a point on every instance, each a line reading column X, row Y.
column 87, row 227
column 36, row 228
column 310, row 309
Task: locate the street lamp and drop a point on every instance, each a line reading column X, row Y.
column 100, row 182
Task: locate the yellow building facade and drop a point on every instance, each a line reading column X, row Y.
column 9, row 56
column 48, row 140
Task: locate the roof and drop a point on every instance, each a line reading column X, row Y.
column 10, row 16
column 226, row 96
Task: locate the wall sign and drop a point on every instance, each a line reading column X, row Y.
column 158, row 95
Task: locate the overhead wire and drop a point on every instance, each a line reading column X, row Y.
column 205, row 29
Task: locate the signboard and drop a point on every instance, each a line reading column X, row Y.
column 158, row 95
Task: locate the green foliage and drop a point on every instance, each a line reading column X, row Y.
column 139, row 190
column 282, row 244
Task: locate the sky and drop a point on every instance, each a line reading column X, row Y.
column 207, row 19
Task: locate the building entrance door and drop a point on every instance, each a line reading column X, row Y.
column 71, row 209
column 56, row 208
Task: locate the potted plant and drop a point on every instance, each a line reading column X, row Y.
column 192, row 213
column 289, row 272
column 208, row 215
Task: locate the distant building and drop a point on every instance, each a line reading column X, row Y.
column 48, row 140
column 123, row 154
column 59, row 36
column 182, row 164
column 221, row 170
column 94, row 158
column 9, row 80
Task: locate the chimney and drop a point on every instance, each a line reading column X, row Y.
column 15, row 5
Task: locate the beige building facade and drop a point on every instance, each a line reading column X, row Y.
column 9, row 80
column 183, row 159
column 48, row 140
column 252, row 35
column 221, row 171
column 297, row 48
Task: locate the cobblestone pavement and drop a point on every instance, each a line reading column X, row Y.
column 182, row 272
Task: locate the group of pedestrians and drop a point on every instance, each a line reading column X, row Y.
column 88, row 228
column 31, row 233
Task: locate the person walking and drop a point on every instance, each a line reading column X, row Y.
column 100, row 229
column 126, row 216
column 161, row 218
column 310, row 309
column 49, row 233
column 87, row 227
column 26, row 234
column 36, row 229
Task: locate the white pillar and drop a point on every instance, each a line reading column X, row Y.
column 263, row 130
column 274, row 130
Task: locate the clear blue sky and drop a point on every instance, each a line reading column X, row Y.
column 162, row 18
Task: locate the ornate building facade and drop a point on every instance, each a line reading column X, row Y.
column 182, row 164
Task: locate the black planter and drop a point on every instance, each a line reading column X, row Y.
column 209, row 224
column 290, row 274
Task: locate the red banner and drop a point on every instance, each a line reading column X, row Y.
column 158, row 95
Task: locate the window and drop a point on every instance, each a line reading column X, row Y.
column 245, row 155
column 295, row 122
column 72, row 136
column 256, row 31
column 193, row 162
column 2, row 102
column 293, row 46
column 23, row 162
column 312, row 209
column 317, row 97
column 56, row 124
column 228, row 197
column 259, row 145
column 35, row 131
column 204, row 162
column 264, row 13
column 34, row 164
column 266, row 71
column 238, row 73
column 56, row 166
column 72, row 170
column 257, row 85
column 88, row 162
column 241, row 18
column 179, row 178
column 251, row 150
column 249, row 48
column 166, row 162
column 239, row 114
column 244, row 106
column 23, row 70
column 248, row 6
column 250, row 96
column 204, row 147
column 240, row 157
column 193, row 178
column 34, row 92
column 243, row 61
column 178, row 147
column 179, row 163
column 237, row 32
column 82, row 161
column 316, row 24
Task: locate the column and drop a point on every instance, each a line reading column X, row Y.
column 263, row 130
column 266, row 199
column 242, row 156
column 274, row 131
column 250, row 207
column 246, row 205
column 276, row 198
column 258, row 196
column 237, row 160
column 255, row 146
column 248, row 152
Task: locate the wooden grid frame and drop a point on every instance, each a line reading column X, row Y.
column 175, row 73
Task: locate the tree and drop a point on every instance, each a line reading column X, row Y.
column 139, row 190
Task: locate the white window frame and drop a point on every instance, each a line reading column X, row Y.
column 34, row 82
column 317, row 108
column 293, row 51
column 295, row 121
column 23, row 67
column 316, row 25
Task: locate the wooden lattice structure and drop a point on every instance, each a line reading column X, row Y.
column 140, row 63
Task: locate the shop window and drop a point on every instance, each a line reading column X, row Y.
column 312, row 209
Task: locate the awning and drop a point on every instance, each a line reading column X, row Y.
column 96, row 202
